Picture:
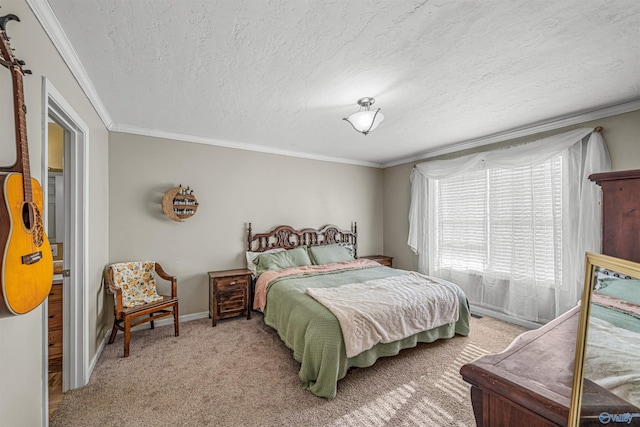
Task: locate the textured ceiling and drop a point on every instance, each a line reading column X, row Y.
column 280, row 75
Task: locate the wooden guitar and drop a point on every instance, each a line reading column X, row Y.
column 27, row 262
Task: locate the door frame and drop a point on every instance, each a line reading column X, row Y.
column 75, row 343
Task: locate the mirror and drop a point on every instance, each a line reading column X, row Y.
column 606, row 384
column 56, row 202
column 56, row 137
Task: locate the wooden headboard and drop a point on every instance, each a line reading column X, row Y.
column 287, row 237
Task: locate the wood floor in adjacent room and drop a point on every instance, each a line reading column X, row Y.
column 55, row 391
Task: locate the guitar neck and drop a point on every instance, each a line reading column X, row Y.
column 20, row 110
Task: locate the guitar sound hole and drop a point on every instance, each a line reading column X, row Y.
column 28, row 216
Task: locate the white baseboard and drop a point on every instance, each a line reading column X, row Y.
column 501, row 316
column 169, row 320
column 92, row 365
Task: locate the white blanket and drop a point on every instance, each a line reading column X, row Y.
column 390, row 309
column 611, row 359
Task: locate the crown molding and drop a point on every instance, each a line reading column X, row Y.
column 43, row 12
column 553, row 124
column 233, row 144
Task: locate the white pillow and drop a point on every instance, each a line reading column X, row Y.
column 253, row 255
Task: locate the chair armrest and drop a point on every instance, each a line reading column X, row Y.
column 116, row 291
column 172, row 279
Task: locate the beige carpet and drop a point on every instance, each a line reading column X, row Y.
column 240, row 374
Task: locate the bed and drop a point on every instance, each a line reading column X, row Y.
column 613, row 341
column 303, row 279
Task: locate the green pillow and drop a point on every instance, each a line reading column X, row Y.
column 297, row 257
column 624, row 289
column 326, row 254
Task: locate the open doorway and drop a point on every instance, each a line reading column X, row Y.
column 66, row 213
column 58, row 139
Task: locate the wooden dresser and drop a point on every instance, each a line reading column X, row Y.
column 530, row 383
column 55, row 326
column 620, row 213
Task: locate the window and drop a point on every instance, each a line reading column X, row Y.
column 501, row 223
column 506, row 225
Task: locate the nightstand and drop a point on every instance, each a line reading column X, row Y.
column 229, row 294
column 387, row 261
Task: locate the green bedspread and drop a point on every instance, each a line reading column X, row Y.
column 624, row 290
column 314, row 333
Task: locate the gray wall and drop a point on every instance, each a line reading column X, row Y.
column 233, row 187
column 621, row 133
column 21, row 337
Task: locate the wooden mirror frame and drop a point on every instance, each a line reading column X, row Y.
column 593, row 261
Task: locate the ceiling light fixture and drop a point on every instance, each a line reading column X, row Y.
column 365, row 120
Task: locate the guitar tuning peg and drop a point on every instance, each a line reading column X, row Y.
column 21, row 62
column 27, row 71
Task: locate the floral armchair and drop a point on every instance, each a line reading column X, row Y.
column 133, row 285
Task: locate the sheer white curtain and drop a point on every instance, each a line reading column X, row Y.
column 511, row 226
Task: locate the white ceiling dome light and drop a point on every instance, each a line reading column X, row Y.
column 366, row 119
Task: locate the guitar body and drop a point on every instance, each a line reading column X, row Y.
column 27, row 262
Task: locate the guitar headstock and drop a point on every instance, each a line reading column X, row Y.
column 8, row 59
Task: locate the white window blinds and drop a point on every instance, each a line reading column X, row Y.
column 461, row 218
column 506, row 225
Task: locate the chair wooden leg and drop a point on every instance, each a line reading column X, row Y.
column 127, row 336
column 114, row 331
column 152, row 326
column 176, row 323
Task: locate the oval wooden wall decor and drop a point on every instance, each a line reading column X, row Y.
column 179, row 204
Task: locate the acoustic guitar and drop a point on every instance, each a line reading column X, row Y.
column 27, row 262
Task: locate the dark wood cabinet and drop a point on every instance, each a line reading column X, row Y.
column 620, row 213
column 54, row 305
column 229, row 294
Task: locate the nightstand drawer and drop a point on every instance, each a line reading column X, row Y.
column 229, row 302
column 231, row 282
